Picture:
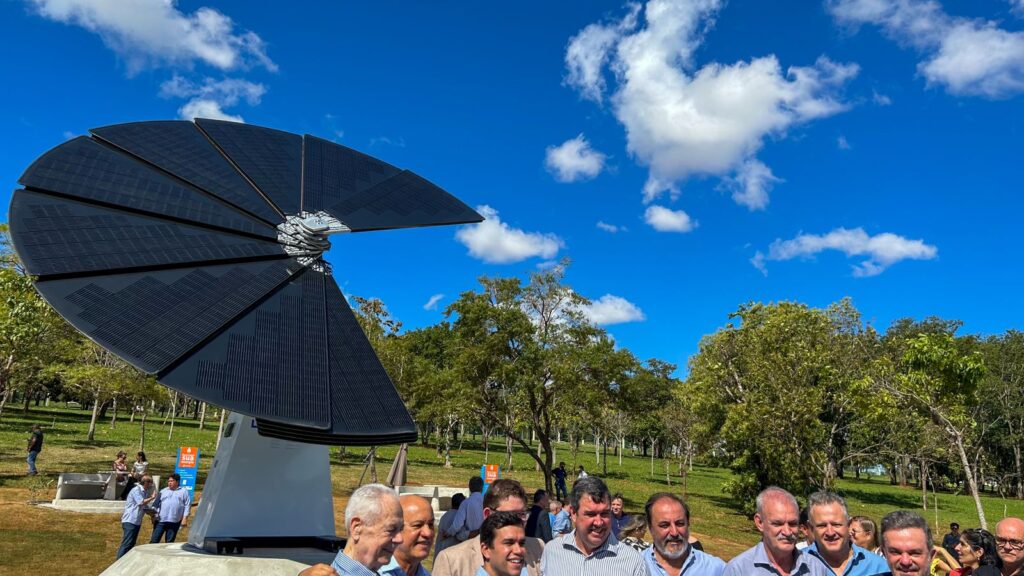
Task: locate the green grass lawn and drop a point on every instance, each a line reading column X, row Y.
column 31, row 536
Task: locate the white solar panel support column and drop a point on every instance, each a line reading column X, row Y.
column 264, row 487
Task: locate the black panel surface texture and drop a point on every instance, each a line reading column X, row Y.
column 87, row 170
column 403, row 201
column 178, row 147
column 364, row 400
column 60, row 236
column 271, row 362
column 333, row 173
column 152, row 319
column 272, row 159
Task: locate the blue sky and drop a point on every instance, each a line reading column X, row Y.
column 687, row 156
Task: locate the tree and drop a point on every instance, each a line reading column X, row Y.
column 937, row 376
column 1002, row 395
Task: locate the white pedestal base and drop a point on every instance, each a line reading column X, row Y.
column 264, row 488
column 178, row 559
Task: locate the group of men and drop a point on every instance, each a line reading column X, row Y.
column 169, row 509
column 390, row 535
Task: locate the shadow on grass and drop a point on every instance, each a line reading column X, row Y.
column 92, row 444
column 895, row 499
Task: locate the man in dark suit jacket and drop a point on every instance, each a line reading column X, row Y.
column 538, row 525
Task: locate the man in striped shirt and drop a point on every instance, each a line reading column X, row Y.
column 590, row 548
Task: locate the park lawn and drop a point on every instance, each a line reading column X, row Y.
column 32, row 537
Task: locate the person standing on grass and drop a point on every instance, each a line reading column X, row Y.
column 172, row 506
column 470, row 514
column 1010, row 545
column 135, row 503
column 561, row 491
column 778, row 520
column 35, row 446
column 829, row 523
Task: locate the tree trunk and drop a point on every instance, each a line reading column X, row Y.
column 202, row 416
column 113, row 419
column 220, row 429
column 1016, row 464
column 3, row 399
column 92, row 422
column 142, row 433
column 924, row 484
column 174, row 413
column 958, row 440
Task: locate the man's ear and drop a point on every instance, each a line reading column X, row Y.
column 485, row 550
column 355, row 528
column 758, row 522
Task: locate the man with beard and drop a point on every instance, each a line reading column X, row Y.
column 668, row 521
column 591, row 548
column 502, row 545
column 829, row 523
column 504, row 495
column 417, row 538
column 778, row 520
column 1010, row 545
column 374, row 521
column 907, row 543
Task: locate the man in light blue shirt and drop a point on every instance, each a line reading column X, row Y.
column 134, row 508
column 417, row 539
column 778, row 520
column 829, row 522
column 470, row 515
column 172, row 505
column 374, row 523
column 559, row 519
column 668, row 521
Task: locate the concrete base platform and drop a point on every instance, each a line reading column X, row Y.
column 180, row 558
column 87, row 506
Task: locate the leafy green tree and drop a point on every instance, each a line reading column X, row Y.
column 1002, row 396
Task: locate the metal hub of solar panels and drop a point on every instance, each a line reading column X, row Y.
column 194, row 251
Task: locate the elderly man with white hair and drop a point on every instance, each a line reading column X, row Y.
column 374, row 521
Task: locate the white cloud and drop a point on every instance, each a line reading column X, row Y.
column 681, row 120
column 432, row 302
column 68, row 134
column 574, row 160
column 612, row 228
column 969, row 57
column 610, row 309
column 150, row 33
column 842, row 143
column 208, row 100
column 880, row 99
column 751, row 185
column 665, row 220
column 496, row 242
column 879, row 251
column 396, row 142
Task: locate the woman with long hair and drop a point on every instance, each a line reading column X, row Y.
column 978, row 554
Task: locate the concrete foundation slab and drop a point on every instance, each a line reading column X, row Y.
column 181, row 558
column 87, row 506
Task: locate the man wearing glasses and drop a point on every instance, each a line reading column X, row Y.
column 1010, row 545
column 134, row 507
column 465, row 559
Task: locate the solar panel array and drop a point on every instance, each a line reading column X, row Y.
column 159, row 241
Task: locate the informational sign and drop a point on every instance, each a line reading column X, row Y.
column 490, row 473
column 188, row 467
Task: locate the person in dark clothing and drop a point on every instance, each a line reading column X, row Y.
column 978, row 554
column 949, row 541
column 538, row 524
column 561, row 491
column 35, row 446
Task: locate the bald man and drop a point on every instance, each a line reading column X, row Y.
column 417, row 539
column 1010, row 545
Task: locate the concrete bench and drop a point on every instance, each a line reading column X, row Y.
column 77, row 486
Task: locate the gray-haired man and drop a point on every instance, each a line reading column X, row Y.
column 829, row 524
column 778, row 521
column 374, row 521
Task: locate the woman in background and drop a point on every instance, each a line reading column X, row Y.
column 863, row 533
column 978, row 554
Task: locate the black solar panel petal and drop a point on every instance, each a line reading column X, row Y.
column 333, row 173
column 181, row 149
column 271, row 362
column 87, row 170
column 151, row 319
column 272, row 159
column 403, row 201
column 59, row 236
